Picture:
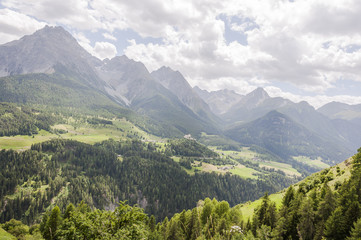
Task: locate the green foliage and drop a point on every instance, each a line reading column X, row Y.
column 356, row 231
column 96, row 121
column 125, row 222
column 316, row 214
column 22, row 120
column 16, row 228
column 190, row 148
column 4, row 235
column 60, row 171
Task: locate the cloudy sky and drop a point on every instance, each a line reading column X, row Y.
column 301, row 49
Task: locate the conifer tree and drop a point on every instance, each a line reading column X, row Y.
column 53, row 223
column 306, row 227
column 356, row 231
column 335, row 225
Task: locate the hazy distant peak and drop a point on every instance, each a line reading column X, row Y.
column 167, row 72
column 119, row 62
column 196, row 88
column 165, row 68
column 255, row 98
column 335, row 104
column 259, row 93
column 305, row 105
column 122, row 58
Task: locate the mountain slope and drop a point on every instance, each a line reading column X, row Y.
column 130, row 82
column 258, row 103
column 43, row 50
column 178, row 85
column 254, row 105
column 219, row 101
column 281, row 135
column 337, row 110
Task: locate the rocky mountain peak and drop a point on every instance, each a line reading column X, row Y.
column 42, row 51
column 258, row 93
column 255, row 98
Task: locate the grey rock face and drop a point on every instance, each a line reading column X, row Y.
column 125, row 78
column 178, row 85
column 219, row 101
column 42, row 51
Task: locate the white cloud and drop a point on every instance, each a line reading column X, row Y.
column 75, row 14
column 14, row 25
column 100, row 50
column 306, row 43
column 104, row 50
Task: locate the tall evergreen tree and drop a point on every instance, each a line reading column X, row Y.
column 356, row 231
column 306, row 226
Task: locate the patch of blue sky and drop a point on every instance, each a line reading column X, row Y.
column 122, row 38
column 326, row 45
column 236, row 27
column 351, row 48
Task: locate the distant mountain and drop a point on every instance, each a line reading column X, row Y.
column 258, row 103
column 219, row 101
column 126, row 79
column 130, row 82
column 337, row 110
column 254, row 105
column 306, row 115
column 283, row 136
column 350, row 132
column 178, row 85
column 50, row 67
column 346, row 119
column 46, row 51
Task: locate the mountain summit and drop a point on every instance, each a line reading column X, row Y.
column 45, row 51
column 178, row 85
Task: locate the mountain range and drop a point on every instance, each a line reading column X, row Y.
column 49, row 67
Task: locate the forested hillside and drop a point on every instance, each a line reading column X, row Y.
column 314, row 209
column 317, row 208
column 22, row 120
column 63, row 171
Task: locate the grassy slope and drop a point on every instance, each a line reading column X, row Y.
column 239, row 169
column 82, row 132
column 248, row 155
column 312, row 162
column 339, row 176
